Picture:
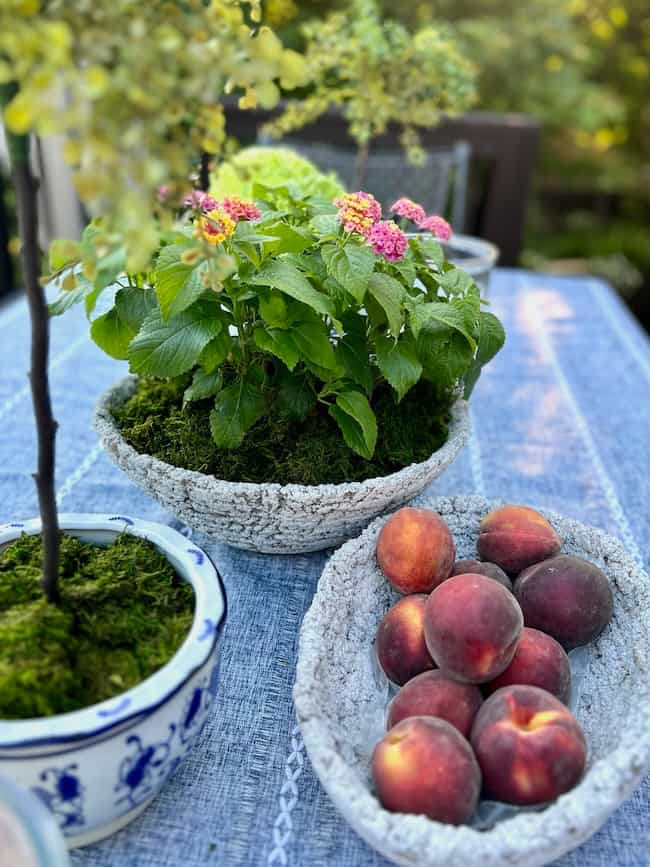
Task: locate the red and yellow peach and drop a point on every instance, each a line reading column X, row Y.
column 401, row 649
column 471, row 626
column 515, row 537
column 567, row 597
column 530, row 747
column 415, row 550
column 539, row 660
column 433, row 694
column 425, row 766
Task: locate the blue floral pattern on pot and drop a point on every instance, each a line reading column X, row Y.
column 140, row 771
column 63, row 794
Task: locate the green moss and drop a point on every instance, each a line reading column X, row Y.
column 123, row 614
column 276, row 449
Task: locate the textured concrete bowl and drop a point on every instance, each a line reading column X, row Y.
column 340, row 702
column 271, row 518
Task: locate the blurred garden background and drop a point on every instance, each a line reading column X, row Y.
column 579, row 70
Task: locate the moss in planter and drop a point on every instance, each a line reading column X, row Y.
column 276, row 449
column 123, row 614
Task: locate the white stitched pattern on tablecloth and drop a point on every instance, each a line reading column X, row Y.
column 57, row 361
column 601, row 294
column 283, row 825
column 74, row 478
column 13, row 311
column 538, row 323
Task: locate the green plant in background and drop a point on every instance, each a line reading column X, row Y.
column 299, row 308
column 134, row 88
column 272, row 167
column 379, row 74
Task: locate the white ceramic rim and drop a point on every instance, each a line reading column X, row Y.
column 194, row 565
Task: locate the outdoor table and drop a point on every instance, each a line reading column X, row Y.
column 561, row 419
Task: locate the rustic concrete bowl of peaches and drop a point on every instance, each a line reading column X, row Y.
column 473, row 683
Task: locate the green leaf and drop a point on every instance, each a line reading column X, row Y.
column 109, row 268
column 421, row 315
column 215, row 352
column 458, row 282
column 283, row 275
column 69, row 297
column 177, row 285
column 353, row 353
column 351, row 265
column 278, row 343
column 288, row 239
column 429, row 250
column 398, row 362
column 325, row 224
column 112, row 334
column 171, row 348
column 491, row 339
column 203, row 385
column 293, row 398
column 251, row 234
column 313, row 343
column 389, row 294
column 134, row 305
column 273, row 311
column 444, row 353
column 236, row 410
column 357, row 421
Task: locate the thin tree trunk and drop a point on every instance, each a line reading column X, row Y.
column 26, row 190
column 362, row 165
column 204, row 173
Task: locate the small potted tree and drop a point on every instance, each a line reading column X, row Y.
column 379, row 75
column 109, row 625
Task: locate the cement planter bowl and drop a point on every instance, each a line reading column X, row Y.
column 98, row 768
column 341, row 701
column 271, row 518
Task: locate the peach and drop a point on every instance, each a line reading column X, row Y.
column 530, row 747
column 433, row 694
column 471, row 626
column 567, row 597
column 425, row 766
column 415, row 550
column 401, row 648
column 515, row 537
column 538, row 661
column 477, row 567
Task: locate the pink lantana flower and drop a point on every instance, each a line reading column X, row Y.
column 200, row 201
column 388, row 240
column 238, row 209
column 438, row 227
column 408, row 208
column 358, row 212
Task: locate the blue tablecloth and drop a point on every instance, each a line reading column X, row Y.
column 561, row 419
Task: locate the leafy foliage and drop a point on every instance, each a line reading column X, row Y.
column 380, row 73
column 272, row 167
column 305, row 314
column 135, row 88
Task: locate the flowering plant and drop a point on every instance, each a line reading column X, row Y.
column 290, row 305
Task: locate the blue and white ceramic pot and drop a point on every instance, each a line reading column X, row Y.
column 98, row 768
